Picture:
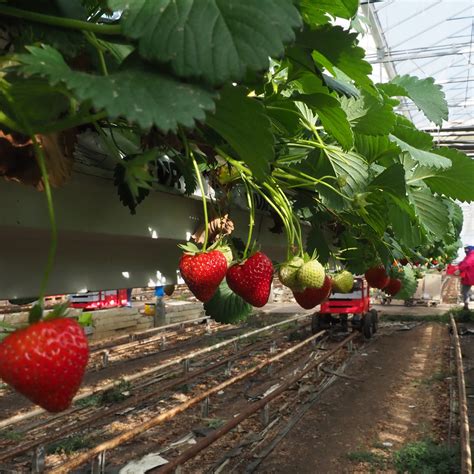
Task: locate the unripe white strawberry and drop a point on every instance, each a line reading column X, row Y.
column 289, row 270
column 343, row 282
column 310, row 275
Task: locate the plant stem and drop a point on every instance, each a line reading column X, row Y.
column 252, row 215
column 60, row 22
column 52, row 218
column 190, row 154
column 204, row 200
column 92, row 39
column 8, row 122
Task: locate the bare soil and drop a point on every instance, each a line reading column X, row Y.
column 403, row 396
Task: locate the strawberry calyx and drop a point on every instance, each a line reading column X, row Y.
column 189, row 248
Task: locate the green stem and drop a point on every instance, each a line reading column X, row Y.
column 252, row 215
column 9, row 123
column 52, row 218
column 92, row 39
column 61, row 22
column 190, row 154
column 114, row 151
column 204, row 200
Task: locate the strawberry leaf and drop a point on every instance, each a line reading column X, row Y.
column 317, row 13
column 227, row 307
column 133, row 179
column 333, row 47
column 453, row 182
column 423, row 157
column 369, row 115
column 332, row 117
column 428, row 96
column 140, row 93
column 242, row 121
column 216, row 40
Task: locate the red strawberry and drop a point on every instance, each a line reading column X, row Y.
column 252, row 279
column 46, row 362
column 311, row 297
column 203, row 273
column 393, row 287
column 377, row 277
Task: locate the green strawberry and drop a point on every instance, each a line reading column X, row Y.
column 288, row 271
column 310, row 275
column 343, row 282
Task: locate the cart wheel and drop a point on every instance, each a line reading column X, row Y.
column 367, row 325
column 319, row 322
column 375, row 320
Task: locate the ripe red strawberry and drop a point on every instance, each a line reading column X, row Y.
column 377, row 277
column 46, row 362
column 393, row 287
column 252, row 279
column 311, row 297
column 203, row 273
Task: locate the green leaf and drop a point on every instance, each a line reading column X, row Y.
column 339, row 48
column 227, row 307
column 409, row 283
column 392, row 181
column 350, row 167
column 187, row 171
column 216, row 40
column 428, row 96
column 457, row 182
column 430, row 210
column 317, row 241
column 242, row 121
column 32, row 101
column 139, row 94
column 375, row 147
column 369, row 115
column 133, row 179
column 404, row 227
column 332, row 117
column 423, row 157
column 341, row 84
column 413, row 137
column 316, row 12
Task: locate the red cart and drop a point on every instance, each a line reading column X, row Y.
column 345, row 308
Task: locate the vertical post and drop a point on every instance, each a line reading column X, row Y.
column 185, row 366
column 105, row 358
column 205, row 408
column 38, row 460
column 98, row 464
column 266, row 414
column 160, row 312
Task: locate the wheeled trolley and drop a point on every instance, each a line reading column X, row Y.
column 348, row 309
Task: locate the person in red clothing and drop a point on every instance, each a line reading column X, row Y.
column 466, row 269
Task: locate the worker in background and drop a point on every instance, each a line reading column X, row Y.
column 466, row 270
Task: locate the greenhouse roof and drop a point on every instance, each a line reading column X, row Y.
column 428, row 38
